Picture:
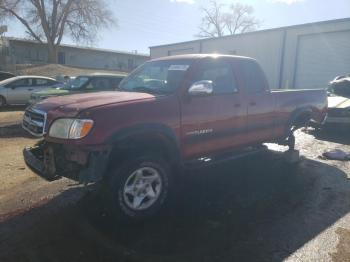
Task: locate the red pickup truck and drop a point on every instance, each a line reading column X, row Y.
column 169, row 114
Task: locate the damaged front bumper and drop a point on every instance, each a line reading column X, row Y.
column 53, row 161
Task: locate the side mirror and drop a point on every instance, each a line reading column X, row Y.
column 201, row 88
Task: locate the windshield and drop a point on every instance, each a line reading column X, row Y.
column 9, row 80
column 156, row 77
column 77, row 82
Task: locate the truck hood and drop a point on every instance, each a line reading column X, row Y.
column 72, row 105
column 338, row 102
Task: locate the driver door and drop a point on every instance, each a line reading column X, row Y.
column 217, row 121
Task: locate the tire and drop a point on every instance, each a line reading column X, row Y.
column 133, row 200
column 2, row 101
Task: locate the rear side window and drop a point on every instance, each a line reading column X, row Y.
column 52, row 82
column 221, row 74
column 254, row 78
column 41, row 82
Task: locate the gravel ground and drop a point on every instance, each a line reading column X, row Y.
column 256, row 209
column 11, row 116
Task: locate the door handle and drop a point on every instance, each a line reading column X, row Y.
column 252, row 103
column 237, row 105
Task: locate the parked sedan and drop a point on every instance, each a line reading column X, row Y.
column 17, row 90
column 81, row 84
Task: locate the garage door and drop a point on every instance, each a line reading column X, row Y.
column 322, row 57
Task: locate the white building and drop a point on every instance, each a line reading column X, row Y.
column 22, row 51
column 300, row 56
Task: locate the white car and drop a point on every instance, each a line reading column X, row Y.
column 17, row 90
column 339, row 101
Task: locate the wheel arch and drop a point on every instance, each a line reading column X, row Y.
column 147, row 137
column 299, row 117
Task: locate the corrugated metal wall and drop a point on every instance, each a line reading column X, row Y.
column 281, row 52
column 321, row 57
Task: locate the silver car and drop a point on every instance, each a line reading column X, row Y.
column 17, row 90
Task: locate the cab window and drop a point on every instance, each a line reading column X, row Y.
column 253, row 76
column 221, row 74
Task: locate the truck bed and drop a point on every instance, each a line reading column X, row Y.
column 288, row 100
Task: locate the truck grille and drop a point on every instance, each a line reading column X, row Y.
column 34, row 121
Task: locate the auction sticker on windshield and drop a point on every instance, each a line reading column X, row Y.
column 179, row 67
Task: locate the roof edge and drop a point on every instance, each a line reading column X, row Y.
column 10, row 38
column 347, row 19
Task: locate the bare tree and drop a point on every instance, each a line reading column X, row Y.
column 47, row 21
column 212, row 24
column 239, row 19
column 217, row 22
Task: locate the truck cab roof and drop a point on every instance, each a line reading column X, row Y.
column 201, row 56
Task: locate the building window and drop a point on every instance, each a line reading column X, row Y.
column 61, row 58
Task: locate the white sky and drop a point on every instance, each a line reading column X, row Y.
column 144, row 23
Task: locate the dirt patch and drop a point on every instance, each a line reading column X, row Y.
column 10, row 116
column 20, row 188
column 11, row 123
column 343, row 248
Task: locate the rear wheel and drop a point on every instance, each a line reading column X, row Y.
column 139, row 187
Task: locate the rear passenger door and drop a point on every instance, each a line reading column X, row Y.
column 217, row 121
column 260, row 105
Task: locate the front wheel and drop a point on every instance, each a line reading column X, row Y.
column 140, row 187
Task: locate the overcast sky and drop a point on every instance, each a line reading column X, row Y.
column 144, row 23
